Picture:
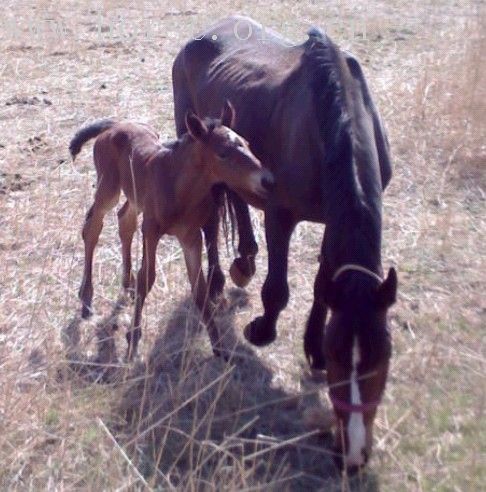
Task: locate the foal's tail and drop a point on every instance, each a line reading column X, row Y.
column 87, row 133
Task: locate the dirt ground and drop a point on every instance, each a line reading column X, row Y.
column 179, row 419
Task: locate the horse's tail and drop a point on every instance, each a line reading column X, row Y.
column 87, row 133
column 226, row 210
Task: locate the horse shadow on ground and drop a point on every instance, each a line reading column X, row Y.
column 102, row 365
column 191, row 420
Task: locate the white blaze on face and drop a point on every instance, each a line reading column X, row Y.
column 356, row 427
column 234, row 137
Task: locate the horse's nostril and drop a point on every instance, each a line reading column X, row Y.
column 268, row 183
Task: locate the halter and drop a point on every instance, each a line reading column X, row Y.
column 342, row 405
column 356, row 268
column 352, row 408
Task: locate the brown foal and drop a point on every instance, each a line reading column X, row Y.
column 171, row 185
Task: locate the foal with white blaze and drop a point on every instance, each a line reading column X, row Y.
column 171, row 185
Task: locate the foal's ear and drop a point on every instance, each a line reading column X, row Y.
column 195, row 126
column 387, row 291
column 228, row 114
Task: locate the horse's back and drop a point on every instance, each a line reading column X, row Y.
column 122, row 152
column 272, row 86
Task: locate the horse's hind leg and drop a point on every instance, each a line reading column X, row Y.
column 243, row 268
column 215, row 274
column 106, row 198
column 127, row 225
column 279, row 226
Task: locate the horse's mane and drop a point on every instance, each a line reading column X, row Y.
column 323, row 60
column 357, row 224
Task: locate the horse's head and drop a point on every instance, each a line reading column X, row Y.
column 357, row 348
column 227, row 155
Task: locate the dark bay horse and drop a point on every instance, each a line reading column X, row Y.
column 309, row 117
column 171, row 185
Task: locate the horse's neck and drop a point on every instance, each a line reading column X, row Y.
column 354, row 238
column 193, row 183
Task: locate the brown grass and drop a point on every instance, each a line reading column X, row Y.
column 180, row 419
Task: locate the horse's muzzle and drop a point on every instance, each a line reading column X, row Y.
column 268, row 182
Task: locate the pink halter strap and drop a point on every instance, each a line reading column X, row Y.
column 352, row 408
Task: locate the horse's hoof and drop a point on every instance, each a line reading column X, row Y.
column 316, row 362
column 221, row 353
column 220, row 303
column 241, row 272
column 257, row 333
column 86, row 312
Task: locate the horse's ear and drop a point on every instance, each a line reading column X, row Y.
column 195, row 126
column 228, row 114
column 387, row 291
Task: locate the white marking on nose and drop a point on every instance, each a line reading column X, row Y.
column 356, row 428
column 234, row 137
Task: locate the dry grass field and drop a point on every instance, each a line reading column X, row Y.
column 179, row 419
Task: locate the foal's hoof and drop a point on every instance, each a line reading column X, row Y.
column 218, row 352
column 242, row 270
column 259, row 334
column 86, row 312
column 220, row 303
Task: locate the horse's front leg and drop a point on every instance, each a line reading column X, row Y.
column 279, row 226
column 192, row 246
column 215, row 273
column 314, row 332
column 243, row 268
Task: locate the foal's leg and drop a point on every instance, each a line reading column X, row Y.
column 127, row 225
column 279, row 226
column 243, row 268
column 145, row 281
column 192, row 246
column 314, row 332
column 106, row 197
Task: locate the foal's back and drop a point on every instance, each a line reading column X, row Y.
column 121, row 154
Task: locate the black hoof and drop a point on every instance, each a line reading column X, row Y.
column 86, row 312
column 219, row 353
column 317, row 362
column 315, row 357
column 259, row 333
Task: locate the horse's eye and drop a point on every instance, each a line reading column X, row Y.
column 223, row 155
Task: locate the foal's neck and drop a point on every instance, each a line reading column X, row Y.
column 193, row 174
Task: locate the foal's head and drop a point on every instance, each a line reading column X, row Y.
column 226, row 156
column 358, row 349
